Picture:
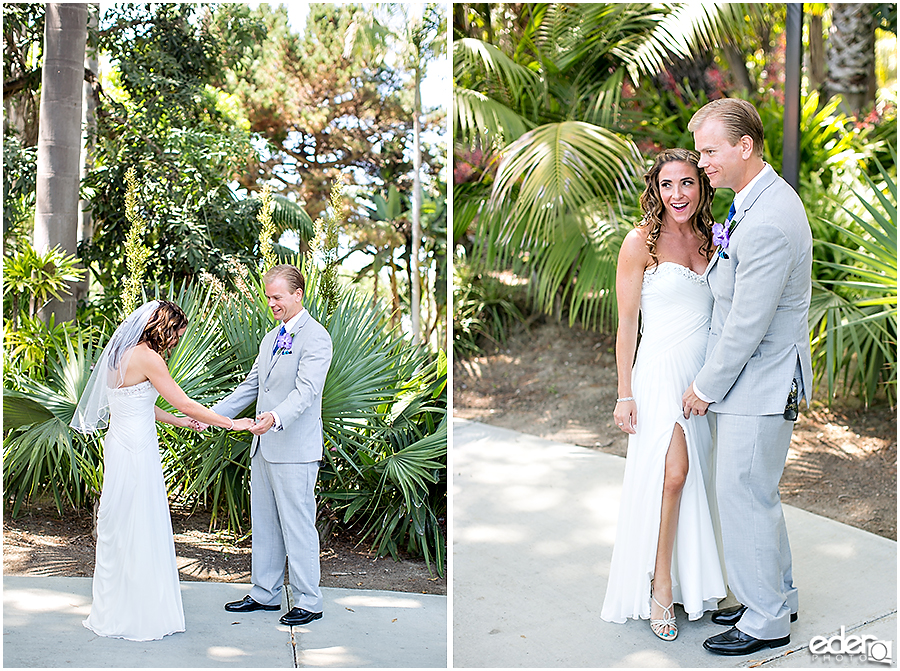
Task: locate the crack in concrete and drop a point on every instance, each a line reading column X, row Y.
column 294, row 651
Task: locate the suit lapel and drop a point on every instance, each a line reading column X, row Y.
column 266, row 351
column 764, row 183
column 270, row 341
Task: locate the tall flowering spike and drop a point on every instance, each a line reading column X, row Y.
column 136, row 254
column 267, row 227
column 326, row 244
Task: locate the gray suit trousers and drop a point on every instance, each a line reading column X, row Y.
column 750, row 454
column 290, row 487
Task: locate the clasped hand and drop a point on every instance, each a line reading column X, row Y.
column 243, row 424
column 264, row 422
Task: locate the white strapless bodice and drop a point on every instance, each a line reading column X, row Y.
column 676, row 304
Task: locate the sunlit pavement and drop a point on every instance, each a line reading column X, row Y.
column 376, row 629
column 534, row 523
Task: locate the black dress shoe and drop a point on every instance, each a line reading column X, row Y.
column 248, row 604
column 728, row 617
column 297, row 616
column 736, row 642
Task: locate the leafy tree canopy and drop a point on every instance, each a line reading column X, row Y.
column 324, row 109
column 161, row 114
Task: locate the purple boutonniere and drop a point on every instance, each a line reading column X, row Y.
column 283, row 342
column 720, row 238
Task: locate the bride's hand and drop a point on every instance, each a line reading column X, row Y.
column 243, row 424
column 197, row 425
column 625, row 415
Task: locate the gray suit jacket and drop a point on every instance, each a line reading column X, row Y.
column 762, row 290
column 290, row 383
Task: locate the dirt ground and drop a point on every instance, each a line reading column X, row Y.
column 560, row 383
column 40, row 542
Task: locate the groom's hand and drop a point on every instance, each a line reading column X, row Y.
column 264, row 422
column 198, row 426
column 691, row 404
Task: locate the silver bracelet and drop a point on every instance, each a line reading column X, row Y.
column 627, row 398
column 232, row 424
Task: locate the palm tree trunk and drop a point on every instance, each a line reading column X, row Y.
column 375, row 289
column 395, row 295
column 416, row 298
column 737, row 65
column 85, row 219
column 59, row 138
column 851, row 54
column 816, row 53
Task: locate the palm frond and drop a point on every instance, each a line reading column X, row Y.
column 199, row 364
column 853, row 315
column 289, row 215
column 691, row 27
column 558, row 169
column 482, row 120
column 40, row 452
column 19, row 410
column 595, row 35
column 498, row 71
column 368, row 360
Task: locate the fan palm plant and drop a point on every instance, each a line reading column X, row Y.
column 853, row 317
column 398, row 492
column 41, row 454
column 373, row 369
column 219, row 344
column 383, row 407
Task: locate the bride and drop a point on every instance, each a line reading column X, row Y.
column 667, row 538
column 136, row 594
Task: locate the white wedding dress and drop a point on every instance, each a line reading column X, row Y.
column 135, row 588
column 676, row 304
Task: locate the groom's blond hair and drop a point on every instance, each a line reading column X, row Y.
column 290, row 274
column 738, row 117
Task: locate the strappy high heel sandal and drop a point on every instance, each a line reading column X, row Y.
column 666, row 627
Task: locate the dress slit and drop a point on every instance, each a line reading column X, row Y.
column 675, row 308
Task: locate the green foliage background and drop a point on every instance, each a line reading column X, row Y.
column 181, row 109
column 560, row 108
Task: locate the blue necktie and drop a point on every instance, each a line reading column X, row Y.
column 280, row 333
column 730, row 212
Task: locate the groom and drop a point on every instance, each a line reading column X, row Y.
column 757, row 367
column 286, row 382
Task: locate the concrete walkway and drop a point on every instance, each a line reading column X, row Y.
column 534, row 523
column 42, row 628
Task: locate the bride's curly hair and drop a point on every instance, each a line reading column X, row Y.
column 652, row 205
column 161, row 331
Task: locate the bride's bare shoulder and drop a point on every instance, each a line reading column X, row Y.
column 141, row 363
column 635, row 242
column 641, row 230
column 142, row 351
